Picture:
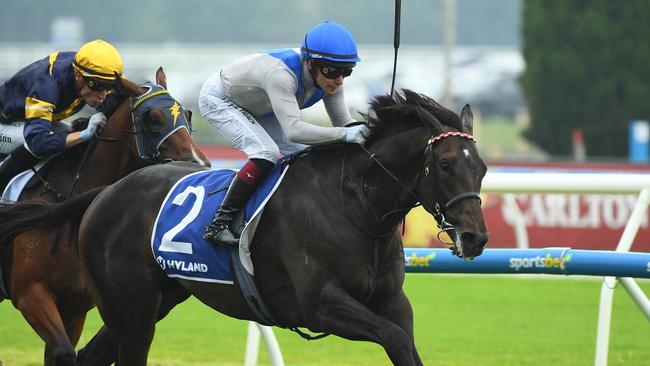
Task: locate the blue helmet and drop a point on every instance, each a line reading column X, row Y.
column 330, row 41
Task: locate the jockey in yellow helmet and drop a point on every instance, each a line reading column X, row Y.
column 49, row 90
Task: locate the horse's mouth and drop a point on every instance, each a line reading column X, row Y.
column 468, row 245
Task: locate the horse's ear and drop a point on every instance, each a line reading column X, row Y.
column 161, row 78
column 119, row 85
column 467, row 119
column 429, row 118
column 128, row 87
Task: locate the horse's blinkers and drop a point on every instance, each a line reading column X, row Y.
column 148, row 142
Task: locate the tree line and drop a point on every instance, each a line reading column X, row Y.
column 587, row 67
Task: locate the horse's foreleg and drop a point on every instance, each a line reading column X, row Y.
column 398, row 310
column 75, row 326
column 37, row 305
column 340, row 314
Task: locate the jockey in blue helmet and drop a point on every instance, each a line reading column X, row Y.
column 330, row 41
column 254, row 104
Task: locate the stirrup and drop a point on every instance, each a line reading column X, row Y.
column 220, row 234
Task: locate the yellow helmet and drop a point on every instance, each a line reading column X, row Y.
column 98, row 59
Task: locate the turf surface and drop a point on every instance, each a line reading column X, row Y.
column 459, row 320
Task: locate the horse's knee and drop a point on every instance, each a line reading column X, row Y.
column 60, row 355
column 395, row 340
column 398, row 337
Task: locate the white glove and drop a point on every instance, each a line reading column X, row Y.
column 96, row 122
column 357, row 134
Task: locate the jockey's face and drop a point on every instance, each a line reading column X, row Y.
column 329, row 86
column 93, row 98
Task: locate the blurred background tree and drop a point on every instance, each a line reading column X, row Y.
column 586, row 67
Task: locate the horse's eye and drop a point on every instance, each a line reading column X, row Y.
column 154, row 120
column 446, row 164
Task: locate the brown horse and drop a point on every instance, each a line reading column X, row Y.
column 326, row 252
column 44, row 281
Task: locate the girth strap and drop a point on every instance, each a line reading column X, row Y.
column 250, row 293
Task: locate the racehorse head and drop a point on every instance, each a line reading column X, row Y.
column 449, row 169
column 161, row 127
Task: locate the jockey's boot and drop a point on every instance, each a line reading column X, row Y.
column 220, row 231
column 19, row 160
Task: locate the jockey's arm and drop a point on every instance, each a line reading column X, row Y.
column 281, row 88
column 39, row 114
column 73, row 139
column 95, row 122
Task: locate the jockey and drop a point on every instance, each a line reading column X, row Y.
column 254, row 104
column 49, row 90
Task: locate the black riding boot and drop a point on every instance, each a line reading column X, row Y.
column 220, row 231
column 19, row 160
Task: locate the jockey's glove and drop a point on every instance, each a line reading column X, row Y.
column 357, row 134
column 95, row 123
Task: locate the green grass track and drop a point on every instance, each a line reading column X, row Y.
column 477, row 320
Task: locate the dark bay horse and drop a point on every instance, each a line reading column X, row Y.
column 327, row 253
column 44, row 282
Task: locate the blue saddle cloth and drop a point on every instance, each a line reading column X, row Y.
column 177, row 239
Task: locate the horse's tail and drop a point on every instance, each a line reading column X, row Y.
column 43, row 216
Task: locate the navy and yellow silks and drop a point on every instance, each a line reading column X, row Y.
column 42, row 92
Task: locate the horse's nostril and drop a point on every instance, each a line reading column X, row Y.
column 468, row 238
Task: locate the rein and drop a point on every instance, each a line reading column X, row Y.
column 133, row 151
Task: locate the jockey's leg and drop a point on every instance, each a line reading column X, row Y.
column 219, row 231
column 19, row 160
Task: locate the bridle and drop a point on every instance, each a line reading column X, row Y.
column 439, row 210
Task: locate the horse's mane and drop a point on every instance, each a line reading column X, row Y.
column 112, row 102
column 388, row 114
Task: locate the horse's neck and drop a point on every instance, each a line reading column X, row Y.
column 112, row 160
column 108, row 163
column 384, row 184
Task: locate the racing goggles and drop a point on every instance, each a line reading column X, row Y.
column 333, row 72
column 98, row 84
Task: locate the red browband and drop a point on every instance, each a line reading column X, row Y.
column 451, row 133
